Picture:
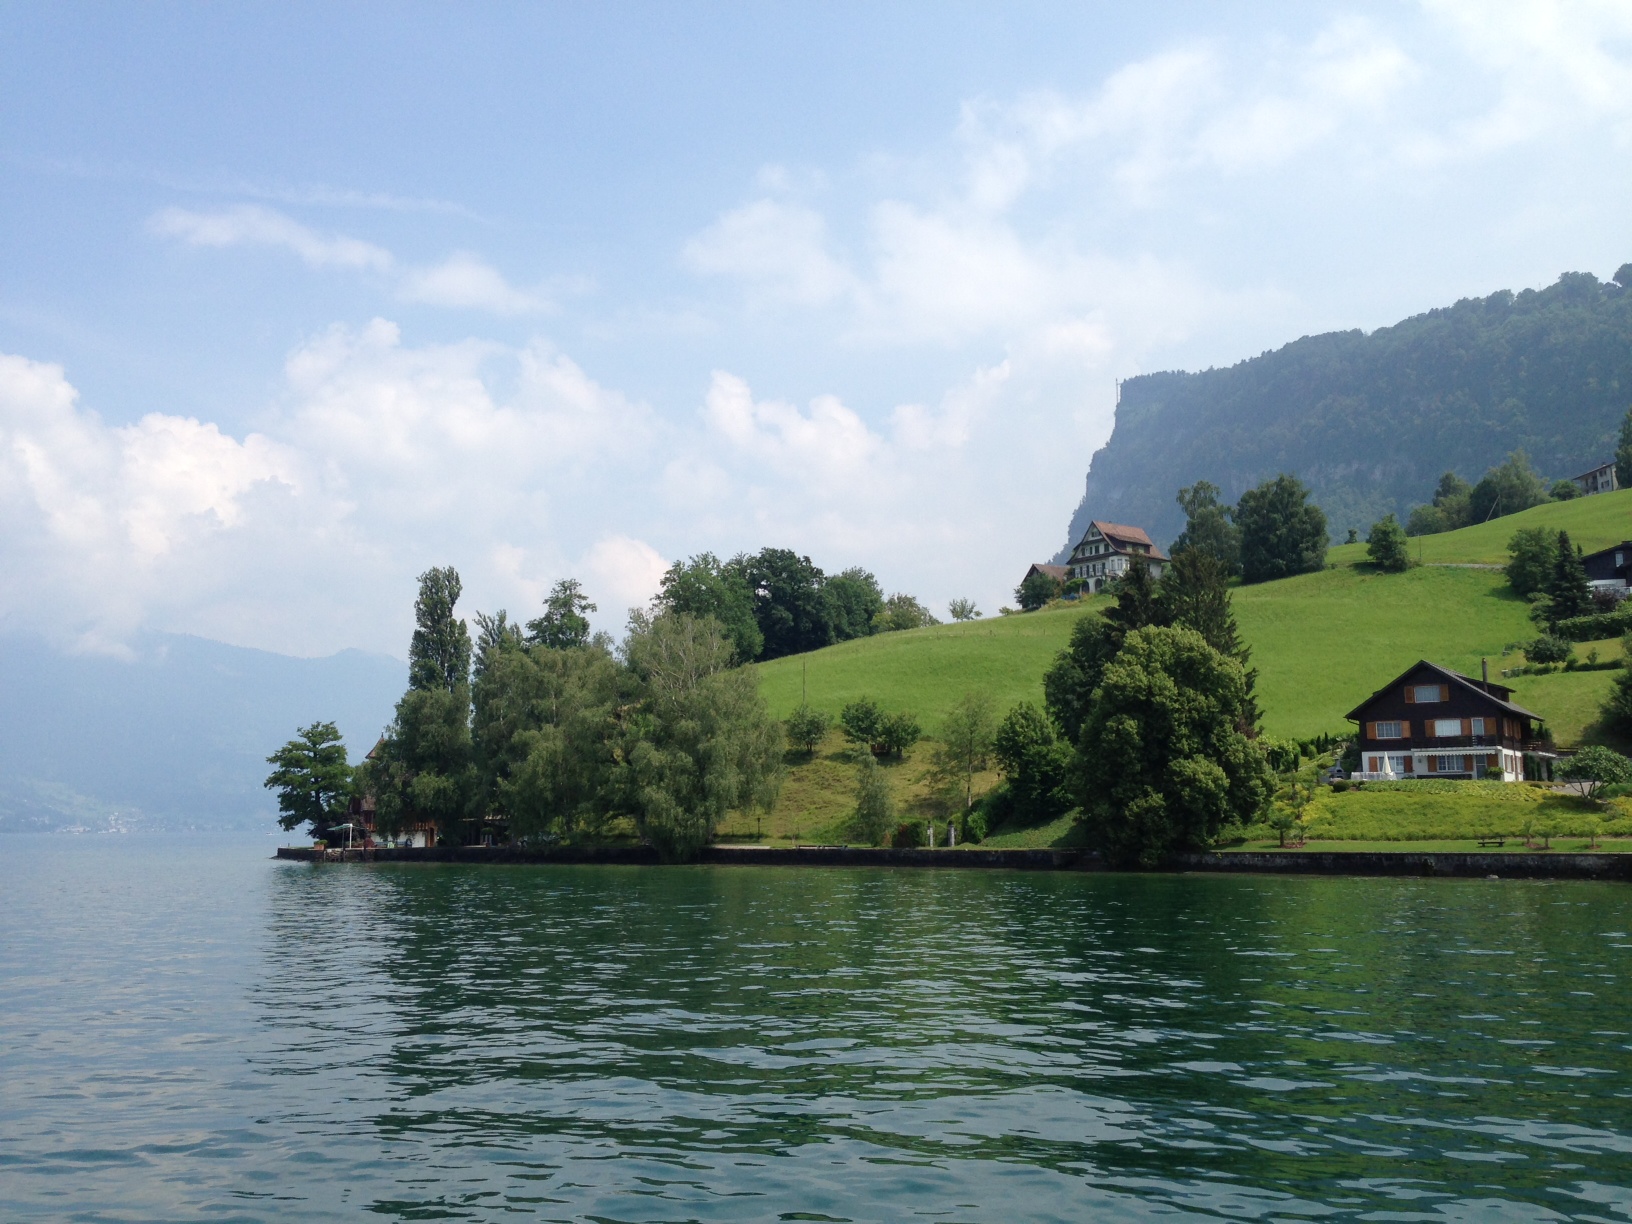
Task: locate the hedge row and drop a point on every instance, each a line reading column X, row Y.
column 1596, row 627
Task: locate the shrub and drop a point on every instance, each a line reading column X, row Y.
column 1549, row 649
column 1564, row 490
column 875, row 808
column 1594, row 768
column 1386, row 546
column 1597, row 627
column 973, row 825
column 910, row 835
column 807, row 728
column 1282, row 755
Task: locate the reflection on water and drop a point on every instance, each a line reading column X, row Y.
column 196, row 1032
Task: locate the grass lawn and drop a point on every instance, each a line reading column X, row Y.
column 1593, row 523
column 1454, row 811
column 1566, row 845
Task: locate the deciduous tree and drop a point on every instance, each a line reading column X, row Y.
column 1282, row 532
column 312, row 778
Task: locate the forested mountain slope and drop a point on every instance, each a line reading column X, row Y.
column 1370, row 421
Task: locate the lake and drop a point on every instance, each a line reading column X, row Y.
column 189, row 1030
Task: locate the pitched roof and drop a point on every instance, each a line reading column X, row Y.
column 1496, row 693
column 1053, row 571
column 1120, row 531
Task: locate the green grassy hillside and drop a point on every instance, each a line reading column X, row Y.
column 1321, row 642
column 1593, row 523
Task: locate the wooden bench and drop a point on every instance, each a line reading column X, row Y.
column 1493, row 841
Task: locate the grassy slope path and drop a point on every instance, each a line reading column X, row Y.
column 1321, row 642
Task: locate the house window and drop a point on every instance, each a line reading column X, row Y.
column 1453, row 764
column 1447, row 726
column 1478, row 726
column 1388, row 730
column 1424, row 693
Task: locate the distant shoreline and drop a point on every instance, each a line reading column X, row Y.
column 1445, row 864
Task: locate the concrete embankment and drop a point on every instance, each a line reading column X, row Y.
column 1384, row 863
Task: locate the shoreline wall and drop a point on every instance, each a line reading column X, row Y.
column 1542, row 866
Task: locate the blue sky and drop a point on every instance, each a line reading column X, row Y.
column 296, row 301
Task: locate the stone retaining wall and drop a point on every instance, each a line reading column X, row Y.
column 1383, row 863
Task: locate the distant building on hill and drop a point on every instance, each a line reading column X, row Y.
column 1106, row 550
column 1607, row 568
column 1056, row 572
column 1431, row 722
column 1601, row 479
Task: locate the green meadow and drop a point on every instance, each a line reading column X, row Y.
column 1321, row 643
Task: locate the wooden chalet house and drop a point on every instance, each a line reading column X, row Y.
column 1608, row 568
column 1107, row 549
column 1431, row 722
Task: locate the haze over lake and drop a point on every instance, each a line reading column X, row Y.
column 189, row 1030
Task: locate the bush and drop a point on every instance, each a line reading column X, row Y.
column 1282, row 755
column 1595, row 628
column 1036, row 590
column 1549, row 649
column 875, row 808
column 973, row 825
column 1564, row 490
column 910, row 835
column 1594, row 768
column 861, row 720
column 807, row 728
column 1386, row 546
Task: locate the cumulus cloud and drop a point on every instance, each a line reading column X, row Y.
column 780, row 249
column 463, row 281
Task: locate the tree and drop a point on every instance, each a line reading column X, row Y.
column 1194, row 594
column 423, row 768
column 1069, row 683
column 1282, row 533
column 439, row 653
column 964, row 745
column 875, row 808
column 854, row 603
column 1531, row 555
column 789, row 606
column 1386, row 546
column 1564, row 490
column 1035, row 763
column 901, row 611
column 313, row 779
column 1448, row 511
column 546, row 729
column 807, row 728
column 1035, row 590
column 862, row 719
column 1549, row 648
column 1623, row 449
column 1616, row 714
column 1207, row 526
column 700, row 742
column 1161, row 764
column 564, row 623
column 1567, row 587
column 897, row 733
column 1137, row 603
column 704, row 586
column 963, row 610
column 1506, row 489
column 1595, row 767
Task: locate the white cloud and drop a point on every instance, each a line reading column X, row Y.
column 252, row 225
column 779, row 249
column 627, row 572
column 463, row 281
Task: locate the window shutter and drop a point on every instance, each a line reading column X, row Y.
column 1371, row 730
column 1410, row 695
column 1444, row 692
column 1467, row 726
column 1405, row 730
column 1433, row 764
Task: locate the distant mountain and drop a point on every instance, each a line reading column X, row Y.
column 177, row 738
column 1370, row 421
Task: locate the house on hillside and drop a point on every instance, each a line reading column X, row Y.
column 1106, row 550
column 1056, row 572
column 1601, row 479
column 1607, row 568
column 1431, row 722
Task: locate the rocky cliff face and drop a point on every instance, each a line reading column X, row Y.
column 1370, row 421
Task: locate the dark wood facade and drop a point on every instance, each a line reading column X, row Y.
column 1609, row 565
column 1433, row 722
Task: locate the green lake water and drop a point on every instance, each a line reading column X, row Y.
column 190, row 1031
